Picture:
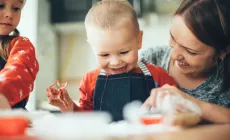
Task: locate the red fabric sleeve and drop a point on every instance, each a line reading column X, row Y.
column 160, row 76
column 86, row 88
column 18, row 76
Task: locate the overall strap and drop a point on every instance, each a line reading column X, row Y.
column 144, row 68
column 102, row 72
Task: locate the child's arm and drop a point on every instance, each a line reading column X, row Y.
column 160, row 76
column 86, row 89
column 18, row 76
column 165, row 78
column 60, row 98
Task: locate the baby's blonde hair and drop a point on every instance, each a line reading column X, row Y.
column 112, row 14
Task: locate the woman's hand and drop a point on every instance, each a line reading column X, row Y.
column 60, row 98
column 168, row 93
column 210, row 112
column 178, row 107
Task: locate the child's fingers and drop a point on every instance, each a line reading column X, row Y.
column 62, row 99
column 52, row 93
column 58, row 98
column 66, row 104
column 53, row 102
column 52, row 90
column 65, row 98
column 65, row 95
column 56, row 103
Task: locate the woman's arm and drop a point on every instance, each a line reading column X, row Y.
column 210, row 112
column 214, row 113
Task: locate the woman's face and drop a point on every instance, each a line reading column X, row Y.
column 189, row 56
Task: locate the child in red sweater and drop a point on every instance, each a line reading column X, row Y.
column 113, row 33
column 18, row 63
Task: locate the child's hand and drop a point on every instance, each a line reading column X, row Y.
column 4, row 104
column 59, row 98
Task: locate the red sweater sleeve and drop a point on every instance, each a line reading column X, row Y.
column 86, row 88
column 18, row 76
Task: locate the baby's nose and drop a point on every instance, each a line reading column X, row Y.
column 114, row 61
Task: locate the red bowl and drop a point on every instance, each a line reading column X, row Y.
column 151, row 119
column 13, row 126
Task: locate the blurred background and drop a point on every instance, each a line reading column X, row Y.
column 56, row 28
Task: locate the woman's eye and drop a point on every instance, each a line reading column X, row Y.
column 2, row 5
column 124, row 52
column 192, row 53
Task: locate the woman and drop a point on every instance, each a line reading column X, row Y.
column 199, row 58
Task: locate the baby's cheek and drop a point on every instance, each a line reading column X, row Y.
column 132, row 59
column 102, row 63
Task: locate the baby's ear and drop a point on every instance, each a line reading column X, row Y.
column 139, row 39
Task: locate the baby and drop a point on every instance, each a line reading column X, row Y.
column 113, row 33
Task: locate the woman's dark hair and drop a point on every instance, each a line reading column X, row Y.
column 209, row 20
column 5, row 43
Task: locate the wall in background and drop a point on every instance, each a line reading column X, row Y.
column 35, row 24
column 28, row 28
column 47, row 51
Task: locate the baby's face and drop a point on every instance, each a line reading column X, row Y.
column 116, row 49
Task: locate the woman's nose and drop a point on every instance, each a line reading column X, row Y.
column 177, row 53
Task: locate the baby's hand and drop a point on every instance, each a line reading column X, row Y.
column 59, row 98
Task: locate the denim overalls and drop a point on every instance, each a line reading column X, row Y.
column 112, row 92
column 22, row 103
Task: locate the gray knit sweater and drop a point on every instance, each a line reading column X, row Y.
column 210, row 90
